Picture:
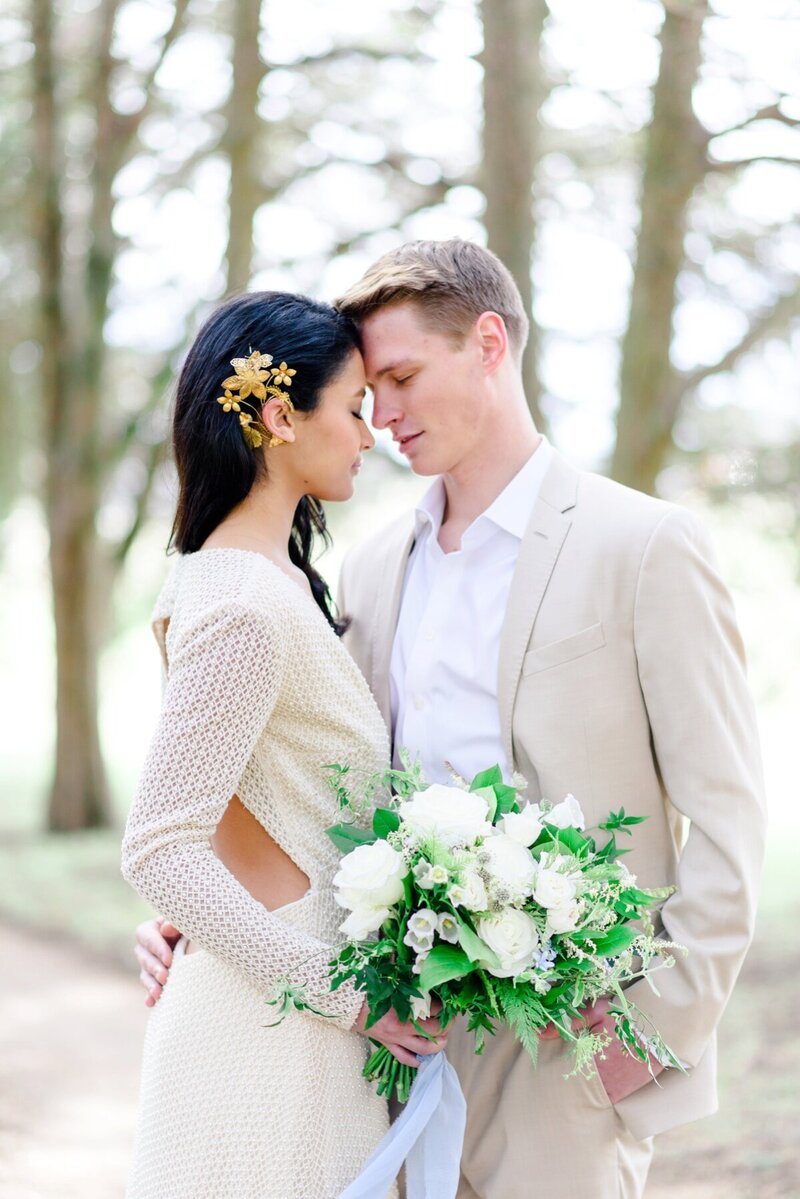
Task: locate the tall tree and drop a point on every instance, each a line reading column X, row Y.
column 513, row 92
column 242, row 143
column 73, row 301
column 674, row 165
column 680, row 171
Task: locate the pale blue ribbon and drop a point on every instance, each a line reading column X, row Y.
column 428, row 1136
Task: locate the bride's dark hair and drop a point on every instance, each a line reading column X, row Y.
column 216, row 466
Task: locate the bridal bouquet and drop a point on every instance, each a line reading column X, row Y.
column 500, row 909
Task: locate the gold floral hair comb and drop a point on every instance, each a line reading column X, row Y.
column 255, row 376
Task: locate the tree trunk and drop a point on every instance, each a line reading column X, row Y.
column 513, row 92
column 674, row 164
column 240, row 143
column 79, row 793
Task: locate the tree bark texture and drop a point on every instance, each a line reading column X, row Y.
column 243, row 134
column 513, row 91
column 675, row 162
column 79, row 793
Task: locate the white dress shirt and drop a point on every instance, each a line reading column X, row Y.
column 443, row 673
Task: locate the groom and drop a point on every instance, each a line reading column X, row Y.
column 577, row 632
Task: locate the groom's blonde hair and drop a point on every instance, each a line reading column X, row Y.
column 451, row 282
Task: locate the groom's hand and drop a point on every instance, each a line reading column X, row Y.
column 402, row 1040
column 155, row 940
column 620, row 1073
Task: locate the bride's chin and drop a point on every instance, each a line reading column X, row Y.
column 337, row 495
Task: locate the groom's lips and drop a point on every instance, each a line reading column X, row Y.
column 404, row 442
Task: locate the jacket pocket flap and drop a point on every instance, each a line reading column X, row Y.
column 556, row 652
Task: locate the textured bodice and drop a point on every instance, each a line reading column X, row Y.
column 260, row 695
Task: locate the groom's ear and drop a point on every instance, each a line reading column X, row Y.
column 490, row 330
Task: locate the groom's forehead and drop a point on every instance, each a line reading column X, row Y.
column 395, row 338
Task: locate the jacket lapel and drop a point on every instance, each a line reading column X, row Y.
column 538, row 554
column 392, row 569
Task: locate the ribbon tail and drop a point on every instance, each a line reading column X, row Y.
column 434, row 1164
column 434, row 1103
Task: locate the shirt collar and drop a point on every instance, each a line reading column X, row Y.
column 512, row 508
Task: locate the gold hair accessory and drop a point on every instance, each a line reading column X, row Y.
column 255, row 376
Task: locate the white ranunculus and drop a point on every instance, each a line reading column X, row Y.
column 565, row 918
column 446, row 814
column 567, row 814
column 470, row 892
column 553, row 889
column 510, row 865
column 523, row 826
column 513, row 937
column 363, row 921
column 371, row 876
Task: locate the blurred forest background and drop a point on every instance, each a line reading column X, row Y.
column 637, row 166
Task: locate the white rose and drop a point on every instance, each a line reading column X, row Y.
column 567, row 814
column 513, row 937
column 363, row 921
column 523, row 826
column 447, row 815
column 564, row 919
column 510, row 865
column 371, row 876
column 469, row 893
column 552, row 889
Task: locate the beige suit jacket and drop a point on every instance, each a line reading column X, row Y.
column 622, row 680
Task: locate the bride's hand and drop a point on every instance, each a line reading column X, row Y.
column 155, row 941
column 402, row 1040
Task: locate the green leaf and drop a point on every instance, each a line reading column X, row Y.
column 385, row 821
column 633, row 895
column 615, row 941
column 475, row 949
column 346, row 837
column 619, row 821
column 443, row 963
column 487, row 778
column 506, row 798
column 488, row 794
column 569, row 838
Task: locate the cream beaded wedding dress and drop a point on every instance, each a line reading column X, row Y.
column 260, row 694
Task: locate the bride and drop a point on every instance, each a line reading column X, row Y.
column 226, row 835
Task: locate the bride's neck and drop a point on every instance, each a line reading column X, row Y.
column 261, row 522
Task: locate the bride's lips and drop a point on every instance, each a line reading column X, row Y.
column 407, row 440
column 356, row 467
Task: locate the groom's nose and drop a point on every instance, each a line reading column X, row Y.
column 385, row 410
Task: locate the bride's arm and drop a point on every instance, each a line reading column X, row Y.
column 225, row 676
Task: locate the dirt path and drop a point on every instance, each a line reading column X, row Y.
column 71, row 1030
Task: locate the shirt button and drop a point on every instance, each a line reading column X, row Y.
column 429, row 636
column 419, row 702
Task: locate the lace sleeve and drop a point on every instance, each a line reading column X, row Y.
column 225, row 676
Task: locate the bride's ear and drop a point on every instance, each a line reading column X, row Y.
column 277, row 419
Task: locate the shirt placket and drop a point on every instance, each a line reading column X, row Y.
column 426, row 724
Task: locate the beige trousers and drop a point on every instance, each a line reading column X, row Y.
column 532, row 1134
